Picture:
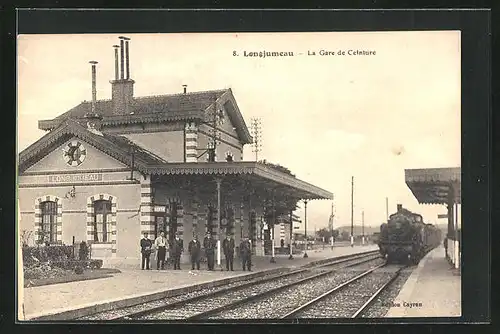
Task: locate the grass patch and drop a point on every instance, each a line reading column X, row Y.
column 71, row 276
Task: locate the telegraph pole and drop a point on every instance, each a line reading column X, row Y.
column 386, row 209
column 332, row 215
column 256, row 125
column 352, row 211
column 305, row 227
column 291, row 235
column 363, row 227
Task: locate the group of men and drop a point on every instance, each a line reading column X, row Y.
column 209, row 246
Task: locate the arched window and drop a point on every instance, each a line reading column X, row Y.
column 49, row 221
column 102, row 221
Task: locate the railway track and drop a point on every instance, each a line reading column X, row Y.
column 199, row 304
column 351, row 298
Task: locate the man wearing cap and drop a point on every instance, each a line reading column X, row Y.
column 161, row 245
column 228, row 247
column 146, row 245
column 194, row 252
column 246, row 254
column 209, row 245
column 177, row 248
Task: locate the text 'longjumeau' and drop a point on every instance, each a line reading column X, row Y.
column 270, row 54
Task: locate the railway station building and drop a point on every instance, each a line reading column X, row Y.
column 108, row 171
column 441, row 186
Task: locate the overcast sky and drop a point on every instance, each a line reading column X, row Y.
column 326, row 118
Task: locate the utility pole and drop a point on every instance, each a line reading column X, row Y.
column 305, row 227
column 256, row 125
column 386, row 209
column 352, row 211
column 332, row 216
column 291, row 235
column 363, row 227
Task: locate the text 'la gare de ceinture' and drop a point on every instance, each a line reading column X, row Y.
column 269, row 54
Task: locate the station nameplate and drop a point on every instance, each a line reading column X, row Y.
column 159, row 208
column 91, row 177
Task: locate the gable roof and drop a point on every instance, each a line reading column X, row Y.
column 160, row 108
column 115, row 146
column 119, row 148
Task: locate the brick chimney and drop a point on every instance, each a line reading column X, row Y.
column 400, row 207
column 122, row 87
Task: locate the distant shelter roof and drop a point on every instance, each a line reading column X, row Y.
column 435, row 185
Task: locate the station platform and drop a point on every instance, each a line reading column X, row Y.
column 132, row 286
column 432, row 290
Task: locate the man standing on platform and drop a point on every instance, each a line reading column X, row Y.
column 246, row 254
column 228, row 247
column 209, row 245
column 177, row 248
column 161, row 245
column 194, row 252
column 146, row 245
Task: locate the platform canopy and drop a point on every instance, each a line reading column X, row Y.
column 242, row 177
column 435, row 185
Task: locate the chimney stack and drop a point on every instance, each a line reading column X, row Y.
column 400, row 207
column 185, row 88
column 94, row 89
column 122, row 55
column 117, row 75
column 93, row 117
column 127, row 59
column 122, row 88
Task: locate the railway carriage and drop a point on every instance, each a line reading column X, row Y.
column 405, row 236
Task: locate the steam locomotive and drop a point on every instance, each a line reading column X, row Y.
column 405, row 237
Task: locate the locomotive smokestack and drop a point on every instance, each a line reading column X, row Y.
column 116, row 62
column 400, row 207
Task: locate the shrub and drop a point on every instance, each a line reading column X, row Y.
column 32, row 255
column 78, row 270
column 72, row 264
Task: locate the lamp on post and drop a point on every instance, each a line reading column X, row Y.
column 218, row 181
column 305, row 227
column 273, row 221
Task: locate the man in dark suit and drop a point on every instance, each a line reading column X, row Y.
column 246, row 254
column 177, row 248
column 209, row 246
column 194, row 249
column 146, row 245
column 228, row 247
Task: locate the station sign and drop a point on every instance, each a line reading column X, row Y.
column 71, row 178
column 159, row 208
